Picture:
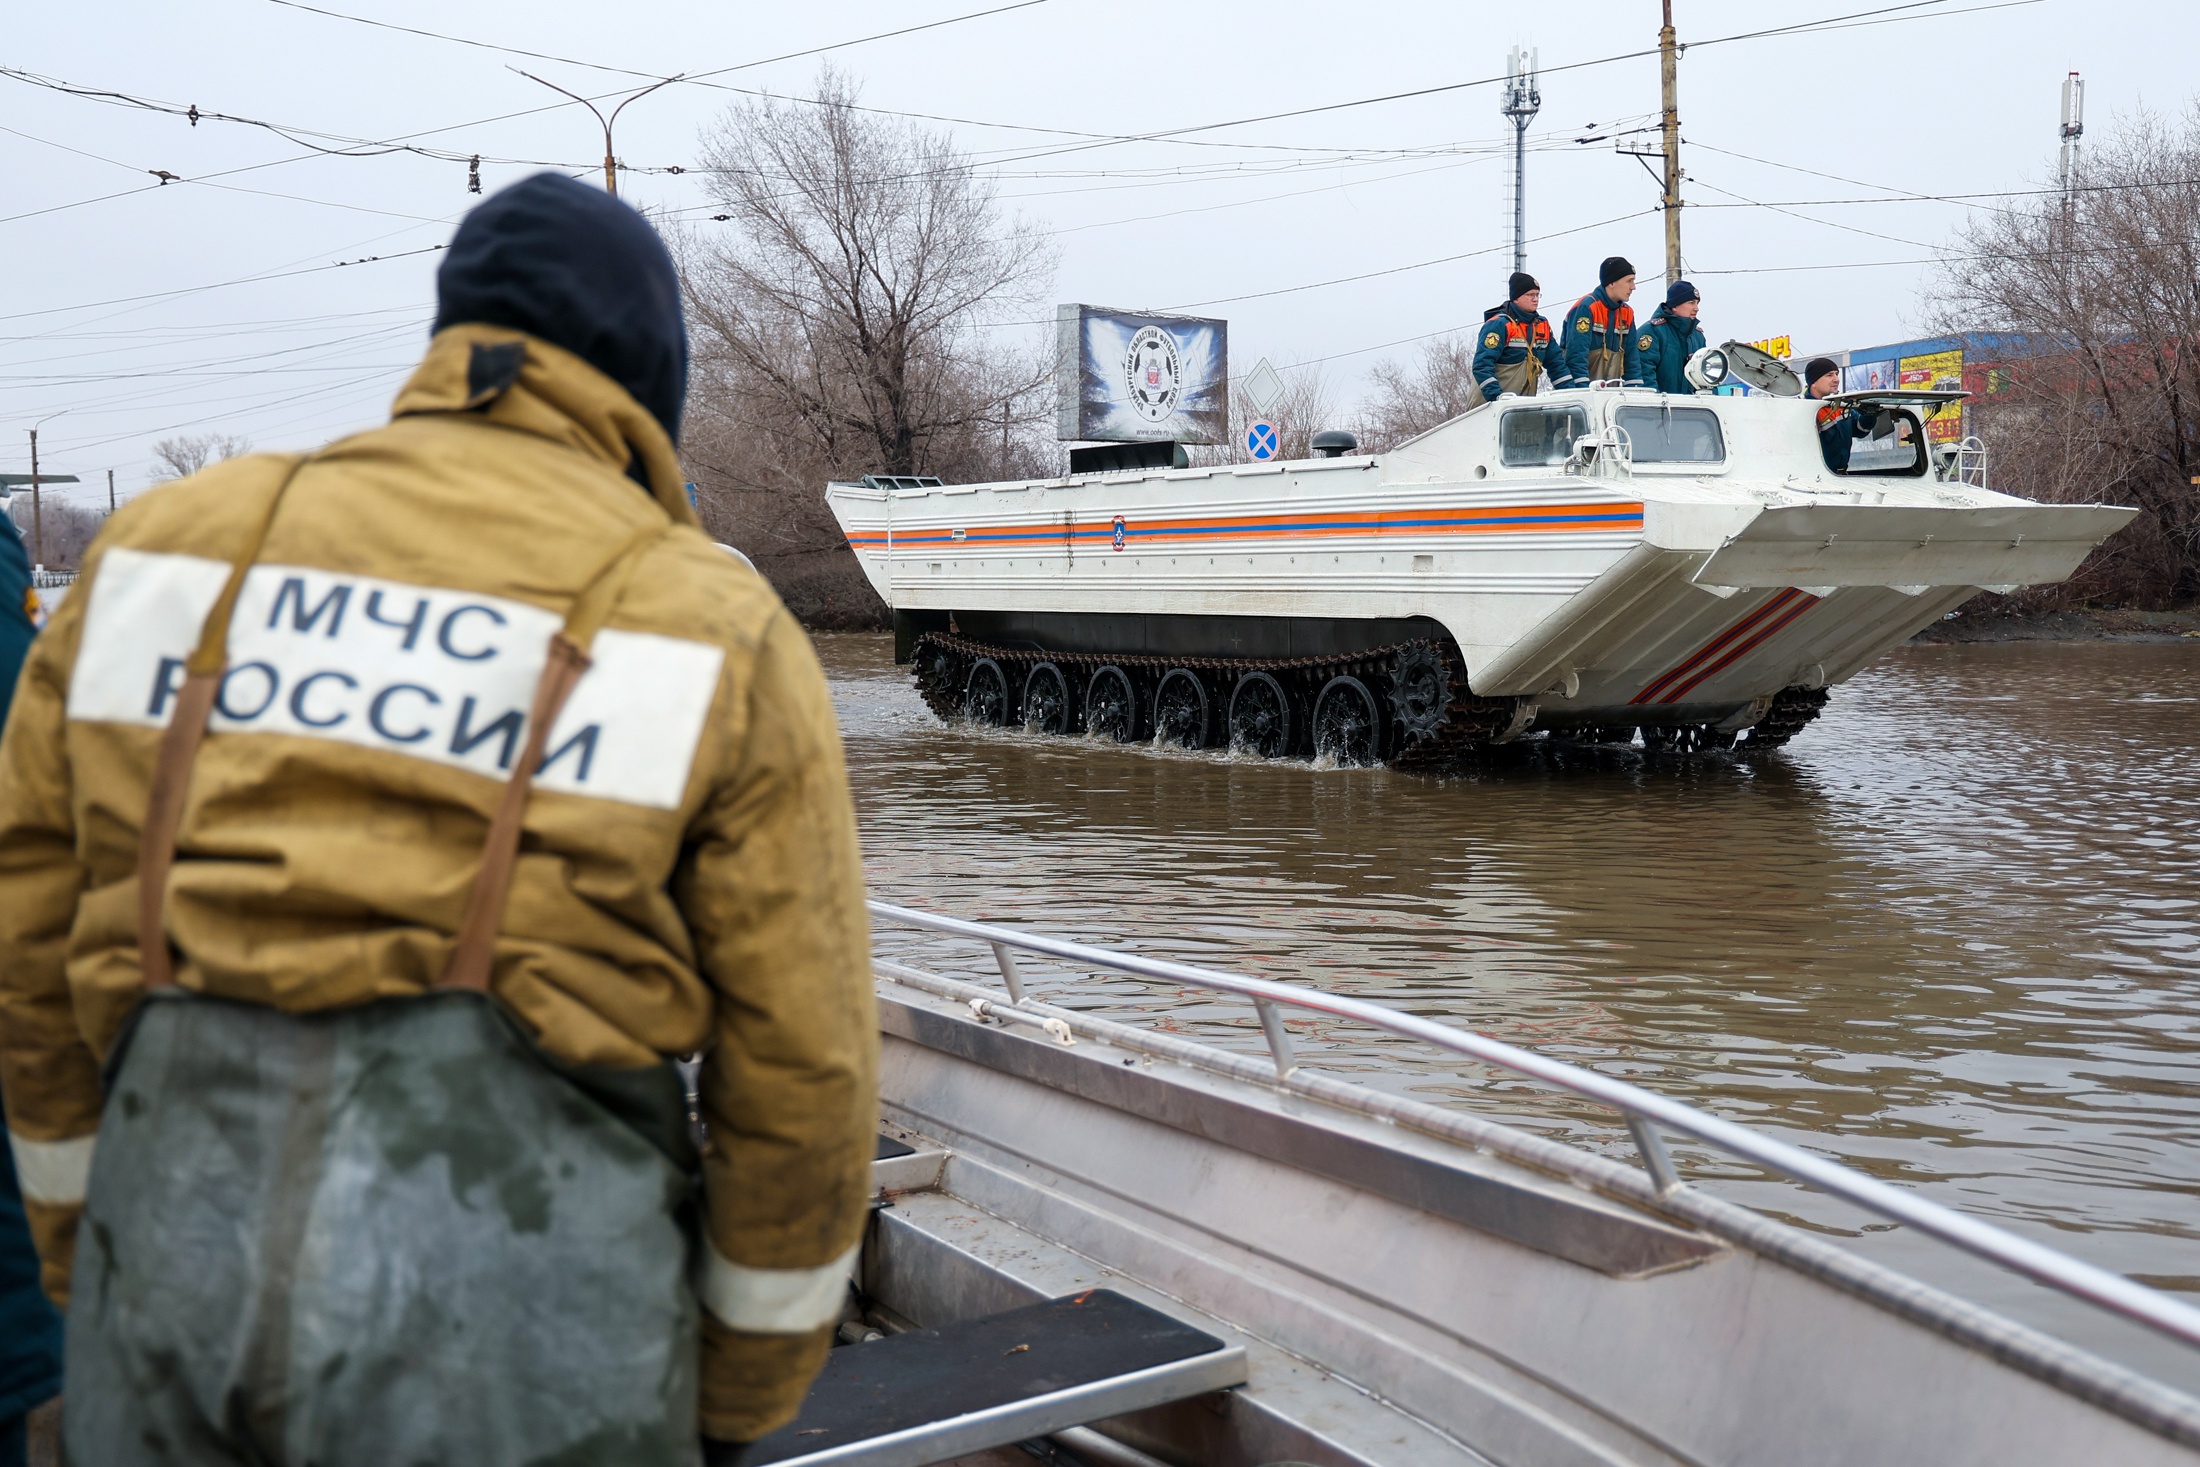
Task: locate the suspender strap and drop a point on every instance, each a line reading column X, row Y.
column 473, row 957
column 179, row 749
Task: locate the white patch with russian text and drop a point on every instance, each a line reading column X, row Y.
column 420, row 670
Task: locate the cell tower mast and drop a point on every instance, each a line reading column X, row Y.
column 2073, row 128
column 1522, row 101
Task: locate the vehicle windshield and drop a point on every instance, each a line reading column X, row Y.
column 1672, row 435
column 1532, row 436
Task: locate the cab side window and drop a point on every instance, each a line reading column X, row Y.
column 1533, row 437
column 1669, row 435
column 1889, row 452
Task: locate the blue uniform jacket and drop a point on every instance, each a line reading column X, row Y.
column 1508, row 335
column 1666, row 344
column 30, row 1331
column 1838, row 429
column 1598, row 321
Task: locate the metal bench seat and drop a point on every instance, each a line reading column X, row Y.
column 934, row 1394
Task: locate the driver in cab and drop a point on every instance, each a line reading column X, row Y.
column 1839, row 424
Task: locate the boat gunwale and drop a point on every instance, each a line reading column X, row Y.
column 1656, row 1188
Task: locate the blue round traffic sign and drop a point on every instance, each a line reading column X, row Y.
column 1261, row 440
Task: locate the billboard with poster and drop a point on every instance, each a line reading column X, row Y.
column 1131, row 378
column 1870, row 377
column 1940, row 371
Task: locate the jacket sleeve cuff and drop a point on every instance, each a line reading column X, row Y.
column 53, row 1230
column 754, row 1383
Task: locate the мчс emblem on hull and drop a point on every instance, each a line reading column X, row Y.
column 1153, row 373
column 1119, row 532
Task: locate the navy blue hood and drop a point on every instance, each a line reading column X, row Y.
column 574, row 266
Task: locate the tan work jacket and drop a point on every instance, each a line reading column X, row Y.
column 688, row 877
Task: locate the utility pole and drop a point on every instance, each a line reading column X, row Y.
column 1522, row 101
column 111, row 495
column 610, row 162
column 1669, row 75
column 38, row 513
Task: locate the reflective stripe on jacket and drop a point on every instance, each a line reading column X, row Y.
column 1599, row 323
column 688, row 879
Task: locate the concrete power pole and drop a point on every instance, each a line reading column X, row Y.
column 111, row 496
column 1522, row 101
column 1669, row 75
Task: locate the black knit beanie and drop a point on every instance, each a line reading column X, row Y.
column 582, row 270
column 1615, row 268
column 1522, row 282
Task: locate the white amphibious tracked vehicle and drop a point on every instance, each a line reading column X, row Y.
column 1588, row 563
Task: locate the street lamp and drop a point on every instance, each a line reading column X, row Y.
column 610, row 164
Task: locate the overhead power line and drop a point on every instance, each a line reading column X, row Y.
column 657, row 75
column 224, row 284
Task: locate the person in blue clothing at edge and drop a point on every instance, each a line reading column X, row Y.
column 1600, row 330
column 1670, row 339
column 1517, row 345
column 30, row 1329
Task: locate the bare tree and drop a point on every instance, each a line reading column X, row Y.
column 69, row 528
column 859, row 315
column 1410, row 399
column 2100, row 399
column 179, row 458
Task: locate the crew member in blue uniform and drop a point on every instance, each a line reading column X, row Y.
column 1600, row 330
column 1517, row 345
column 1839, row 426
column 1671, row 338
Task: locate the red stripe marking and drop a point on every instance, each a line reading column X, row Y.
column 1742, row 650
column 1713, row 647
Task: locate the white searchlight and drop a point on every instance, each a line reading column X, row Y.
column 1707, row 368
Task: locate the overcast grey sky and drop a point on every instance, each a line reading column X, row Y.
column 215, row 304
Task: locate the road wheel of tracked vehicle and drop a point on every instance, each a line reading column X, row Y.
column 1420, row 692
column 1685, row 738
column 985, row 696
column 1111, row 705
column 1348, row 727
column 1597, row 733
column 1046, row 700
column 1260, row 717
column 1180, row 714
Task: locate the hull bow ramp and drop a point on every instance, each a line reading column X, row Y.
column 1586, row 565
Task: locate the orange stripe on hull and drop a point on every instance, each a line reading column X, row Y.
column 1529, row 519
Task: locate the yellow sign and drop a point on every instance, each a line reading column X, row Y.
column 1940, row 371
column 1782, row 347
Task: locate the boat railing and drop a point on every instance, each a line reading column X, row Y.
column 1658, row 1184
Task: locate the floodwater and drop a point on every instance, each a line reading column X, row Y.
column 1950, row 936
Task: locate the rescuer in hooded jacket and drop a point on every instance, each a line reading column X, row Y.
column 1517, row 345
column 1600, row 330
column 390, row 1164
column 1670, row 339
